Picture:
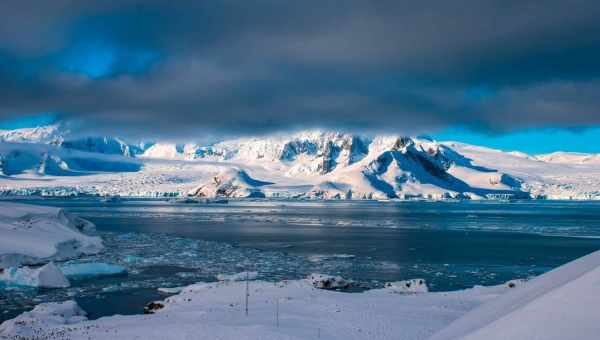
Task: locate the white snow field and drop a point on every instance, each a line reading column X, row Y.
column 562, row 304
column 34, row 235
column 51, row 161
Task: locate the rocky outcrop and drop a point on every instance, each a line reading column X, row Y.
column 323, row 281
column 230, row 183
column 153, row 307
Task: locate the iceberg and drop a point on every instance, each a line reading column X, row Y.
column 87, row 270
column 47, row 276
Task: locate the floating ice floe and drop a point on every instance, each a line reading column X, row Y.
column 408, row 286
column 238, row 276
column 93, row 269
column 47, row 276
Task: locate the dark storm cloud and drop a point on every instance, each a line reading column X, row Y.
column 246, row 67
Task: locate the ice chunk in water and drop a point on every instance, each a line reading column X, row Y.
column 92, row 269
column 48, row 276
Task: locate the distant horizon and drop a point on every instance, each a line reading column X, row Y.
column 531, row 141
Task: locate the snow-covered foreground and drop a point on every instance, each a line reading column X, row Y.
column 216, row 311
column 562, row 304
column 34, row 234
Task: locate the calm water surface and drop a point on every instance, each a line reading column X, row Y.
column 453, row 245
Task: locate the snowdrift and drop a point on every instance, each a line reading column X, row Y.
column 561, row 304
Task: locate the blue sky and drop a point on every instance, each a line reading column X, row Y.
column 532, row 141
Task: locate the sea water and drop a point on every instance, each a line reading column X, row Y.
column 452, row 245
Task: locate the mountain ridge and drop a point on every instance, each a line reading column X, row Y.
column 312, row 164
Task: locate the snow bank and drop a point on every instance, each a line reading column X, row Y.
column 47, row 276
column 170, row 290
column 43, row 317
column 87, row 270
column 238, row 276
column 561, row 304
column 35, row 234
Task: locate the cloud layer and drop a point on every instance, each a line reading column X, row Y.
column 230, row 67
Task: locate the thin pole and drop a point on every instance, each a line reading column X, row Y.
column 277, row 312
column 247, row 292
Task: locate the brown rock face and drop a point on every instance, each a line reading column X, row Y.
column 152, row 307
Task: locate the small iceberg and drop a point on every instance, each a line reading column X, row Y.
column 47, row 276
column 92, row 269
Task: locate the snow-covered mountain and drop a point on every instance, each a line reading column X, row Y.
column 58, row 134
column 50, row 134
column 28, row 159
column 309, row 164
column 350, row 166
